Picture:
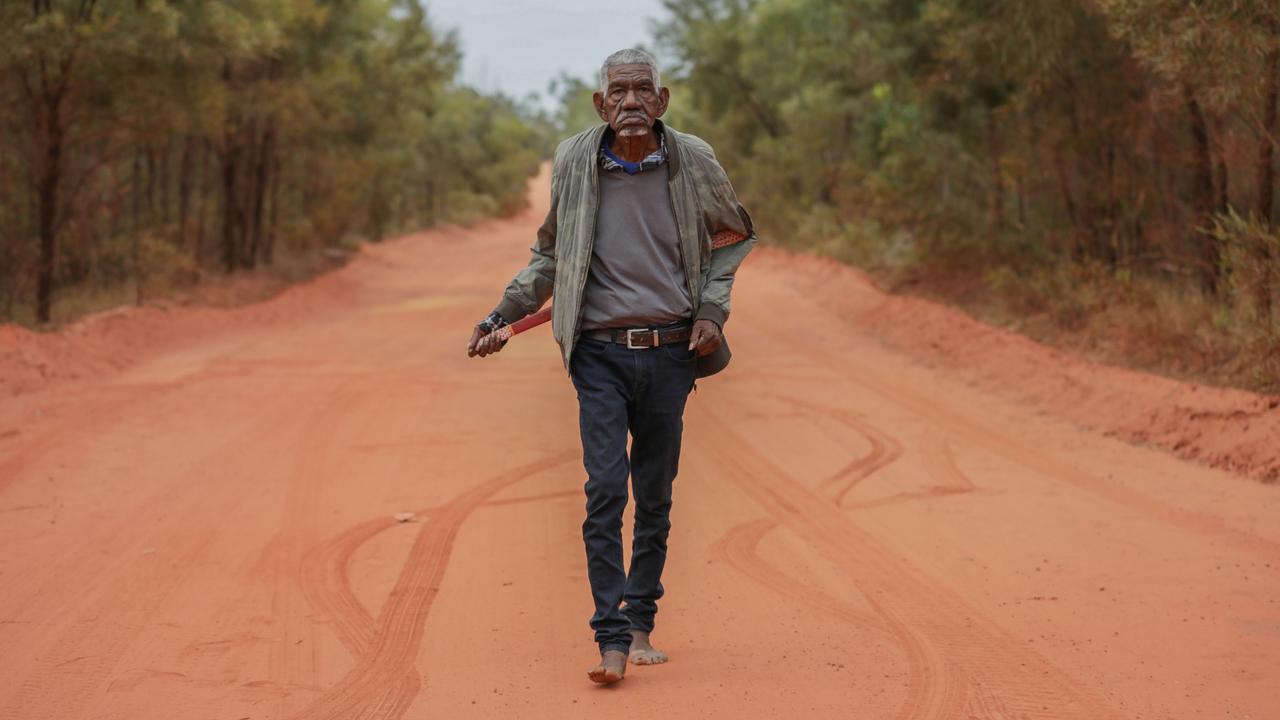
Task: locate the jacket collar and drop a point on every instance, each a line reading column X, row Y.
column 673, row 146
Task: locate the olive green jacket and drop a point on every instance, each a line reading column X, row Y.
column 704, row 205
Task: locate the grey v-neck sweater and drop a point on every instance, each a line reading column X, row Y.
column 637, row 276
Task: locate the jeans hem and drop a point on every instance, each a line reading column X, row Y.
column 638, row 624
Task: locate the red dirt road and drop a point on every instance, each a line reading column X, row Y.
column 863, row 527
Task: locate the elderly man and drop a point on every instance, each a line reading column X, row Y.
column 640, row 247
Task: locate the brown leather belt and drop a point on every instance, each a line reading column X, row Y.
column 640, row 338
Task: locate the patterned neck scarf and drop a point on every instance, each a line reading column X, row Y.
column 609, row 161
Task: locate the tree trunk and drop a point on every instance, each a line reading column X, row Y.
column 135, row 195
column 9, row 235
column 1266, row 182
column 1113, row 250
column 377, row 209
column 165, row 181
column 230, row 201
column 47, row 191
column 262, row 171
column 997, row 175
column 117, row 213
column 1068, row 202
column 1021, row 195
column 230, row 249
column 151, row 186
column 184, row 189
column 202, row 177
column 1267, row 147
column 1222, row 180
column 269, row 246
column 1202, row 189
column 402, row 211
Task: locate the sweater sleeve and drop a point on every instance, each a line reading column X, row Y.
column 532, row 286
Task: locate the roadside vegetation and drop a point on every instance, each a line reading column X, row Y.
column 1099, row 174
column 146, row 146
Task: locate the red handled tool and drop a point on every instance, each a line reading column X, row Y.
column 506, row 332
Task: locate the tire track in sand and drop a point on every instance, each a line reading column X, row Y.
column 928, row 694
column 940, row 465
column 885, row 449
column 959, row 662
column 844, row 367
column 375, row 686
column 923, row 692
column 740, row 549
column 739, row 546
column 290, row 664
column 328, row 590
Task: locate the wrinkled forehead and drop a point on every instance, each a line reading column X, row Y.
column 630, row 74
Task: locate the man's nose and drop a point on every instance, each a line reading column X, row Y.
column 631, row 100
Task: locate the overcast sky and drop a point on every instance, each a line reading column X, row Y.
column 518, row 46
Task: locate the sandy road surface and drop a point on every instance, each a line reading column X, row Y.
column 857, row 534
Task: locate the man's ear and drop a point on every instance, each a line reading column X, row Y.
column 597, row 99
column 664, row 97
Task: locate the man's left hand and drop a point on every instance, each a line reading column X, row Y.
column 705, row 337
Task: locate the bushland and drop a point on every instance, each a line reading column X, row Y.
column 147, row 146
column 1099, row 174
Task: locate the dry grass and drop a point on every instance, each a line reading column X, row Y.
column 1151, row 324
column 183, row 287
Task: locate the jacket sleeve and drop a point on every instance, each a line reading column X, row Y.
column 733, row 236
column 532, row 286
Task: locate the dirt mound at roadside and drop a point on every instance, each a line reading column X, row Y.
column 111, row 340
column 1221, row 427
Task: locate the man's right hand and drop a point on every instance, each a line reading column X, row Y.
column 483, row 343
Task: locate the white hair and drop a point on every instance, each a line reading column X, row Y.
column 629, row 56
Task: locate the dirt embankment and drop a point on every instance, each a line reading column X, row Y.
column 1221, row 427
column 111, row 340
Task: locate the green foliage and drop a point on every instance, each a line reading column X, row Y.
column 229, row 131
column 157, row 266
column 1054, row 155
column 1250, row 255
column 577, row 111
column 1214, row 45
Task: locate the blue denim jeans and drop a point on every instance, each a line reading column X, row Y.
column 642, row 392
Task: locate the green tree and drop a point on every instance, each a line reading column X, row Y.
column 157, row 140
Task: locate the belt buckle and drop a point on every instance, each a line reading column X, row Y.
column 631, row 339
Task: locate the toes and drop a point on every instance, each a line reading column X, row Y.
column 649, row 657
column 605, row 673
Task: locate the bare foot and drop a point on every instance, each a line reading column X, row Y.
column 613, row 665
column 642, row 653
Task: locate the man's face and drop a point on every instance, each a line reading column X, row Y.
column 631, row 103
